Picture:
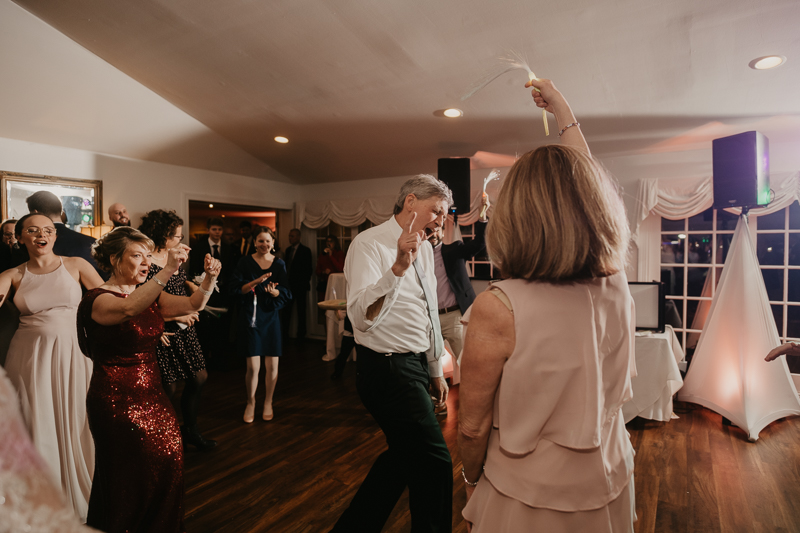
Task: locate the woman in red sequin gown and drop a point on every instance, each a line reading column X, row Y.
column 138, row 479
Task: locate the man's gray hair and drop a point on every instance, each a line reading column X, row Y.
column 423, row 186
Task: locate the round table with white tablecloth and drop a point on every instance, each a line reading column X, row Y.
column 658, row 376
column 334, row 325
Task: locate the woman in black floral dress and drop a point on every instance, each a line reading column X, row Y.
column 180, row 356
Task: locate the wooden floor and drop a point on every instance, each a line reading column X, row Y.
column 298, row 472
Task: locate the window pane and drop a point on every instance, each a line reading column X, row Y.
column 673, row 225
column 794, row 216
column 777, row 313
column 793, row 321
column 770, row 248
column 671, row 249
column 672, row 278
column 699, row 248
column 794, row 249
column 483, row 271
column 776, row 220
column 726, row 221
column 794, row 286
column 703, row 221
column 674, row 313
column 691, row 311
column 773, row 279
column 696, row 282
column 723, row 245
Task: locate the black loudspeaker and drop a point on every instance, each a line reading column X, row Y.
column 455, row 173
column 741, row 170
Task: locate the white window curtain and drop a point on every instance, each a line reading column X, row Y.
column 682, row 198
column 348, row 212
column 354, row 212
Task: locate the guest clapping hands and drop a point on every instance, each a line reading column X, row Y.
column 180, row 355
column 261, row 290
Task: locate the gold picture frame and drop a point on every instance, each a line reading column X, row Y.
column 82, row 200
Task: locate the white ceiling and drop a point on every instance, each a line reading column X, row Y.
column 354, row 84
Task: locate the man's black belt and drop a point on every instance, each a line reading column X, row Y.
column 448, row 309
column 370, row 351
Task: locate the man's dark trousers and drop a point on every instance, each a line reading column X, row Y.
column 394, row 389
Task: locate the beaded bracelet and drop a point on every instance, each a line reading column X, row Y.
column 567, row 127
column 205, row 292
column 464, row 475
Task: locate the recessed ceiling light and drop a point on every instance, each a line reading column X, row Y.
column 282, row 140
column 766, row 62
column 453, row 112
column 211, row 206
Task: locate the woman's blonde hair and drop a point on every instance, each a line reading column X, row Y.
column 558, row 218
column 113, row 244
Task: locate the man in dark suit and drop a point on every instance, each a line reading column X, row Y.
column 214, row 328
column 68, row 243
column 298, row 268
column 245, row 245
column 454, row 290
column 8, row 242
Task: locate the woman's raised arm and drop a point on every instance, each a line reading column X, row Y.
column 549, row 98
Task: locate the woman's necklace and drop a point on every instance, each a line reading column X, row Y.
column 162, row 257
column 123, row 291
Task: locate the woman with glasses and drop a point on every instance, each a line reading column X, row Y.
column 44, row 361
column 180, row 356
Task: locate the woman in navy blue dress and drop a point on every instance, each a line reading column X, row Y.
column 261, row 288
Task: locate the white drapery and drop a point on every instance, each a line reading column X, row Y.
column 347, row 212
column 354, row 212
column 683, row 198
column 676, row 199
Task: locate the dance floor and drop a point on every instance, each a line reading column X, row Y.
column 298, row 472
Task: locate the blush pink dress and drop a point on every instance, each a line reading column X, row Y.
column 559, row 458
column 51, row 376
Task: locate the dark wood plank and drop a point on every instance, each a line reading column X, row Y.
column 299, row 472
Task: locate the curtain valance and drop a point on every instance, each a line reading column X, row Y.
column 676, row 199
column 348, row 212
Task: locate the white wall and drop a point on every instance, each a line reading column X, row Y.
column 144, row 185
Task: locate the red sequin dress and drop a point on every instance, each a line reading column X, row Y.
column 138, row 477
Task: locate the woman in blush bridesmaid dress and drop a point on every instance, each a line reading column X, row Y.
column 44, row 361
column 138, row 483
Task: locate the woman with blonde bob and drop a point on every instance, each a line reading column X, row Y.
column 548, row 353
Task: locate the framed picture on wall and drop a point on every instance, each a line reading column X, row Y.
column 81, row 200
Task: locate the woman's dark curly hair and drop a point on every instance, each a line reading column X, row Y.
column 160, row 226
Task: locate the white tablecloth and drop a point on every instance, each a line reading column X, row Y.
column 334, row 325
column 657, row 358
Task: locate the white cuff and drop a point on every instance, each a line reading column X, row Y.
column 435, row 368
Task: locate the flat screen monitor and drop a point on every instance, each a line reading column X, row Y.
column 648, row 297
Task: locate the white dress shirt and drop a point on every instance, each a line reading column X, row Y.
column 212, row 244
column 403, row 324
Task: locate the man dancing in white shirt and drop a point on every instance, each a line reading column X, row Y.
column 391, row 301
